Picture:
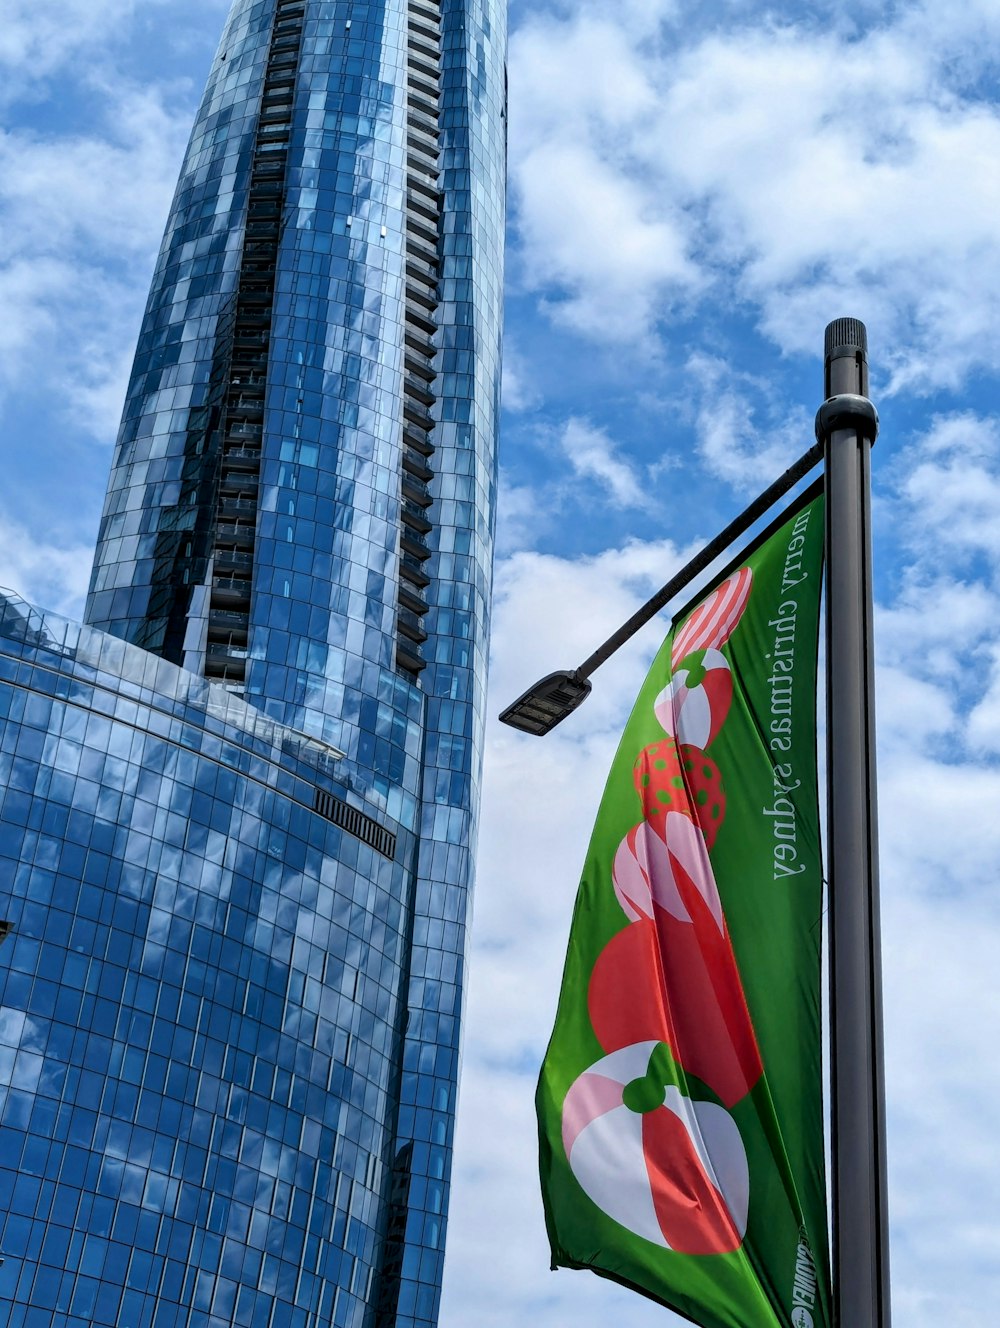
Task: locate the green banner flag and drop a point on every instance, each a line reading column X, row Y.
column 680, row 1100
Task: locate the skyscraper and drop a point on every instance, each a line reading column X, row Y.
column 239, row 805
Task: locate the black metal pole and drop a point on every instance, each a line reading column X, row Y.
column 847, row 424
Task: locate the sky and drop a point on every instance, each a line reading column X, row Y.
column 696, row 189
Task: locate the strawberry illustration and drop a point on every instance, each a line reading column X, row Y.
column 672, row 778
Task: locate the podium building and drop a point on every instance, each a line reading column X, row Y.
column 238, row 804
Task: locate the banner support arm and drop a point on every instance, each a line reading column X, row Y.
column 846, row 426
column 550, row 700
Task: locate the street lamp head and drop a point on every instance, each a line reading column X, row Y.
column 547, row 703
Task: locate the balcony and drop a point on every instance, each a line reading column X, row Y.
column 238, row 586
column 420, row 344
column 428, row 83
column 413, row 571
column 238, row 533
column 427, row 232
column 252, row 319
column 242, row 378
column 424, row 207
column 427, row 252
column 272, row 133
column 230, row 625
column 408, row 658
column 233, row 558
column 418, row 441
column 415, row 517
column 421, row 65
column 420, row 317
column 425, row 27
column 267, row 183
column 409, row 599
column 225, row 668
column 424, row 101
column 240, row 487
column 417, row 119
column 416, row 387
column 414, row 544
column 417, row 414
column 241, row 465
column 416, row 491
column 411, row 626
column 226, row 650
column 231, row 592
column 414, row 361
column 414, row 465
column 416, row 267
column 245, row 360
column 247, row 405
column 239, row 429
column 236, row 508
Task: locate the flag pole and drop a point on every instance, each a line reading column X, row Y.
column 847, row 425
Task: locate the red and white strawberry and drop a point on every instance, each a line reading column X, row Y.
column 672, row 778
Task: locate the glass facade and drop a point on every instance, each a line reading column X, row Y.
column 239, row 807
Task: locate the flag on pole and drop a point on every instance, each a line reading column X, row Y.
column 680, row 1100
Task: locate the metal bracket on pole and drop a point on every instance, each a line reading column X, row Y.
column 847, row 425
column 847, row 411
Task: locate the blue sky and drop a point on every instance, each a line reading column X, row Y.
column 696, row 189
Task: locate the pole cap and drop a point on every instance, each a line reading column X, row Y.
column 846, row 336
column 846, row 363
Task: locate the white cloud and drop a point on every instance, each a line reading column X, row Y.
column 53, row 576
column 732, row 444
column 518, row 391
column 36, row 38
column 798, row 171
column 595, row 237
column 521, row 516
column 942, row 993
column 42, row 38
column 984, row 720
column 604, row 248
column 592, row 454
column 81, row 218
column 959, row 500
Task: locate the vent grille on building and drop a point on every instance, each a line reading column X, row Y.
column 239, row 474
column 356, row 823
column 423, row 237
